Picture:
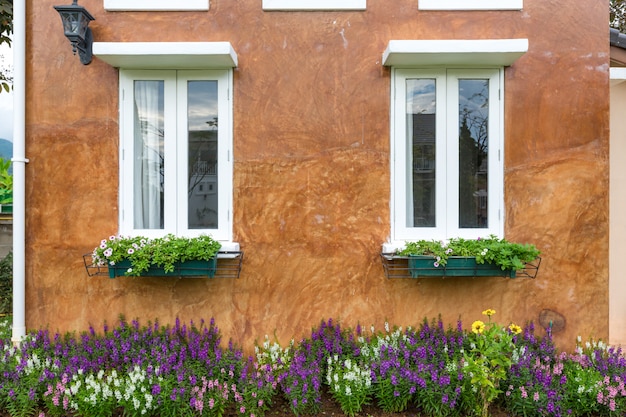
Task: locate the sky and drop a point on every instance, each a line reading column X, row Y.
column 6, row 99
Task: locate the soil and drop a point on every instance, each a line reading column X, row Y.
column 280, row 408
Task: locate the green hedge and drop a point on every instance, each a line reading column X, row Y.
column 6, row 284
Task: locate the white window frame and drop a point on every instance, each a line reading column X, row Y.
column 447, row 122
column 312, row 5
column 470, row 4
column 175, row 126
column 156, row 5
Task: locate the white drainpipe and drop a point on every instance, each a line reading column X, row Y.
column 19, row 170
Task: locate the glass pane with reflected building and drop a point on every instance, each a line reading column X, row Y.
column 202, row 155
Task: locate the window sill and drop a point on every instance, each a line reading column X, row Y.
column 313, row 5
column 470, row 4
column 156, row 5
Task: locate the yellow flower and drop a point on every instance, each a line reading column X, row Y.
column 478, row 327
column 489, row 312
column 514, row 328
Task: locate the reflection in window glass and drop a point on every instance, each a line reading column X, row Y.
column 420, row 122
column 148, row 165
column 473, row 152
column 202, row 155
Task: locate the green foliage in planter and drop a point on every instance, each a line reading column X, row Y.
column 163, row 252
column 507, row 255
column 6, row 284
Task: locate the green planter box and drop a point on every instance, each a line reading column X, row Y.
column 457, row 266
column 6, row 208
column 184, row 269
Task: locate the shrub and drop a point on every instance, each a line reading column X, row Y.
column 6, row 284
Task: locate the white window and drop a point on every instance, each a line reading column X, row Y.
column 470, row 4
column 446, row 144
column 155, row 5
column 314, row 4
column 176, row 150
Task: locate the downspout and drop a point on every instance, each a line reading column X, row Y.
column 19, row 170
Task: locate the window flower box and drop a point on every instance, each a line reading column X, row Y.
column 456, row 266
column 166, row 256
column 487, row 257
column 181, row 269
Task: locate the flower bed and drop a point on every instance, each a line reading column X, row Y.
column 430, row 370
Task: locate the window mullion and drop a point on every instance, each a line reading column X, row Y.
column 451, row 190
column 496, row 163
column 170, row 153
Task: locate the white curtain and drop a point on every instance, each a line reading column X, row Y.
column 148, row 164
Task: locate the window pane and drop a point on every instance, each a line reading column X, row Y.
column 202, row 165
column 148, row 152
column 473, row 152
column 420, row 121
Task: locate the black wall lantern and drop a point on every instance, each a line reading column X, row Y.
column 76, row 20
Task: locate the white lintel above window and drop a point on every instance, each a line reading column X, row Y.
column 470, row 4
column 312, row 5
column 156, row 5
column 618, row 75
column 166, row 55
column 449, row 53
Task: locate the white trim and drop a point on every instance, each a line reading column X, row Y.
column 314, row 5
column 166, row 55
column 156, row 5
column 446, row 177
column 466, row 53
column 617, row 75
column 175, row 129
column 470, row 4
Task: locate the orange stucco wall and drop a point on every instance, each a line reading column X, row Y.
column 311, row 173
